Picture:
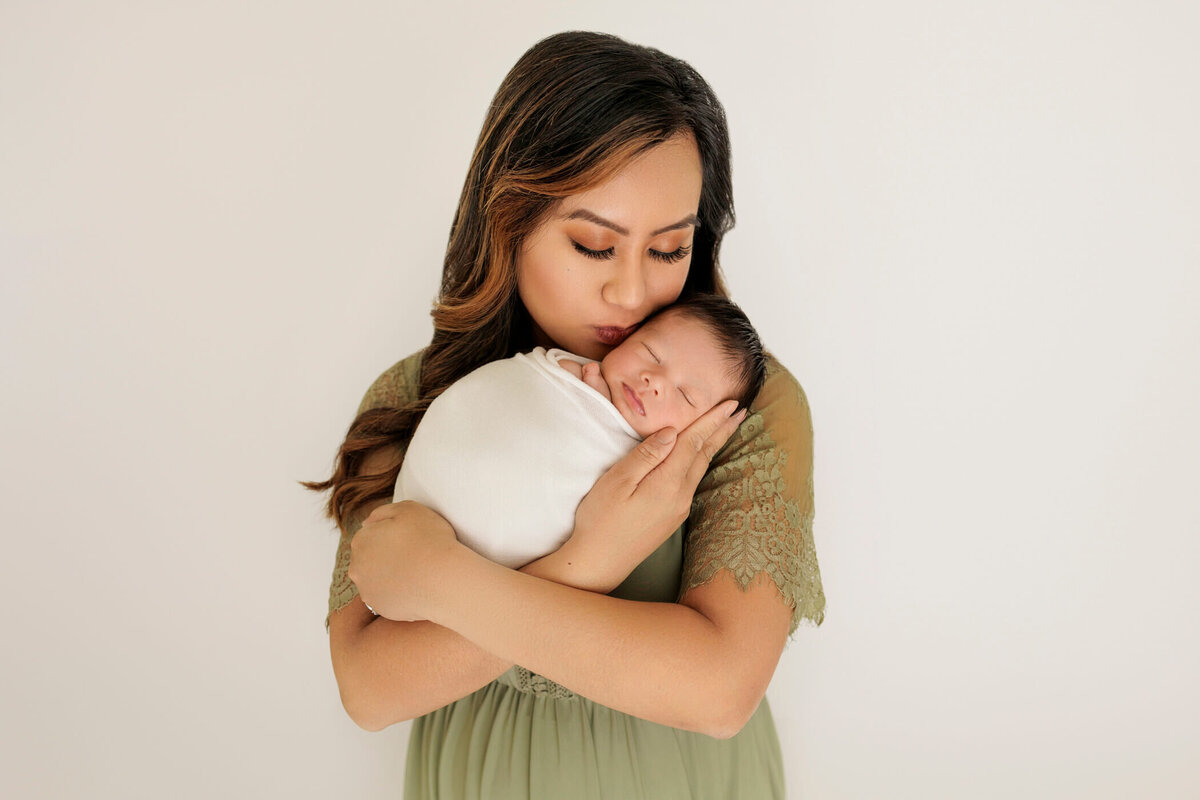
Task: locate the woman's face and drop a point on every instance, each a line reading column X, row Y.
column 604, row 259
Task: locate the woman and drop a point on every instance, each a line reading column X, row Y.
column 599, row 191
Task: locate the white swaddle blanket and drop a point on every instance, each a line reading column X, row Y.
column 506, row 453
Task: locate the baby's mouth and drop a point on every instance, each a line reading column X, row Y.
column 633, row 401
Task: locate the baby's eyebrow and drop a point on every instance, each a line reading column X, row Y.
column 691, row 220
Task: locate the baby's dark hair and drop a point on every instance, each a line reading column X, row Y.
column 735, row 336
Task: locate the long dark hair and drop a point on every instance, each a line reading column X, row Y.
column 573, row 111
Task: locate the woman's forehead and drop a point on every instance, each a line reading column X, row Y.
column 658, row 190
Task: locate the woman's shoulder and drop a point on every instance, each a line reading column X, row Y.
column 781, row 406
column 397, row 386
column 774, row 444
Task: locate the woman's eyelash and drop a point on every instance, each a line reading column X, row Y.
column 598, row 254
column 658, row 255
column 672, row 256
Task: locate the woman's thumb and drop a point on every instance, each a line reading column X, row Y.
column 657, row 447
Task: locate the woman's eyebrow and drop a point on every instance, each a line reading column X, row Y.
column 691, row 220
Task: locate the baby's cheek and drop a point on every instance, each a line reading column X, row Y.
column 676, row 418
column 643, row 430
column 692, row 415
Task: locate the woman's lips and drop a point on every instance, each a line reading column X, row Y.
column 633, row 401
column 612, row 335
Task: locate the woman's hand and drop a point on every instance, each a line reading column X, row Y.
column 638, row 503
column 398, row 556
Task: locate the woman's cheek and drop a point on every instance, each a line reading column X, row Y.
column 669, row 283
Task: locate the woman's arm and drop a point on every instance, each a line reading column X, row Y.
column 702, row 664
column 392, row 671
column 389, row 671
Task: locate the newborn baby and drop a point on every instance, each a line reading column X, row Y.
column 506, row 453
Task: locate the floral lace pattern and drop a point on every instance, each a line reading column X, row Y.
column 752, row 514
column 532, row 683
column 341, row 589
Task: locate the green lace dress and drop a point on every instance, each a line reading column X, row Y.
column 523, row 736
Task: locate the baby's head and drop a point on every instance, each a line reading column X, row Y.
column 682, row 361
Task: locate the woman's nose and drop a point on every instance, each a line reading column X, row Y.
column 626, row 286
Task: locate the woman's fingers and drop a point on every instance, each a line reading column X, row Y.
column 400, row 549
column 678, row 460
column 654, row 449
column 385, row 511
column 645, row 496
column 641, row 461
column 379, row 512
column 710, row 446
column 703, row 438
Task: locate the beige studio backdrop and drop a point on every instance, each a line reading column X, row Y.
column 970, row 229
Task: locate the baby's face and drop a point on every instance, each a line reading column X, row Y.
column 667, row 373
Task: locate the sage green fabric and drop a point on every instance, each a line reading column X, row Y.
column 523, row 736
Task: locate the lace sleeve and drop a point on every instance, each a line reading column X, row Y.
column 753, row 511
column 341, row 589
column 395, row 387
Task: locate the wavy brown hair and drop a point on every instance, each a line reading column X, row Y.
column 574, row 110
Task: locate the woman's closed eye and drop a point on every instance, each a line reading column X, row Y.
column 673, row 256
column 603, row 255
column 590, row 253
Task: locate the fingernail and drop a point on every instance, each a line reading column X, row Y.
column 741, row 415
column 730, row 407
column 666, row 436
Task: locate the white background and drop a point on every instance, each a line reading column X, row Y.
column 970, row 229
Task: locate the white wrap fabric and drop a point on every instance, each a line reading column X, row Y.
column 506, row 453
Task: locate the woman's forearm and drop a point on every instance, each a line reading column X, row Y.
column 389, row 671
column 665, row 662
